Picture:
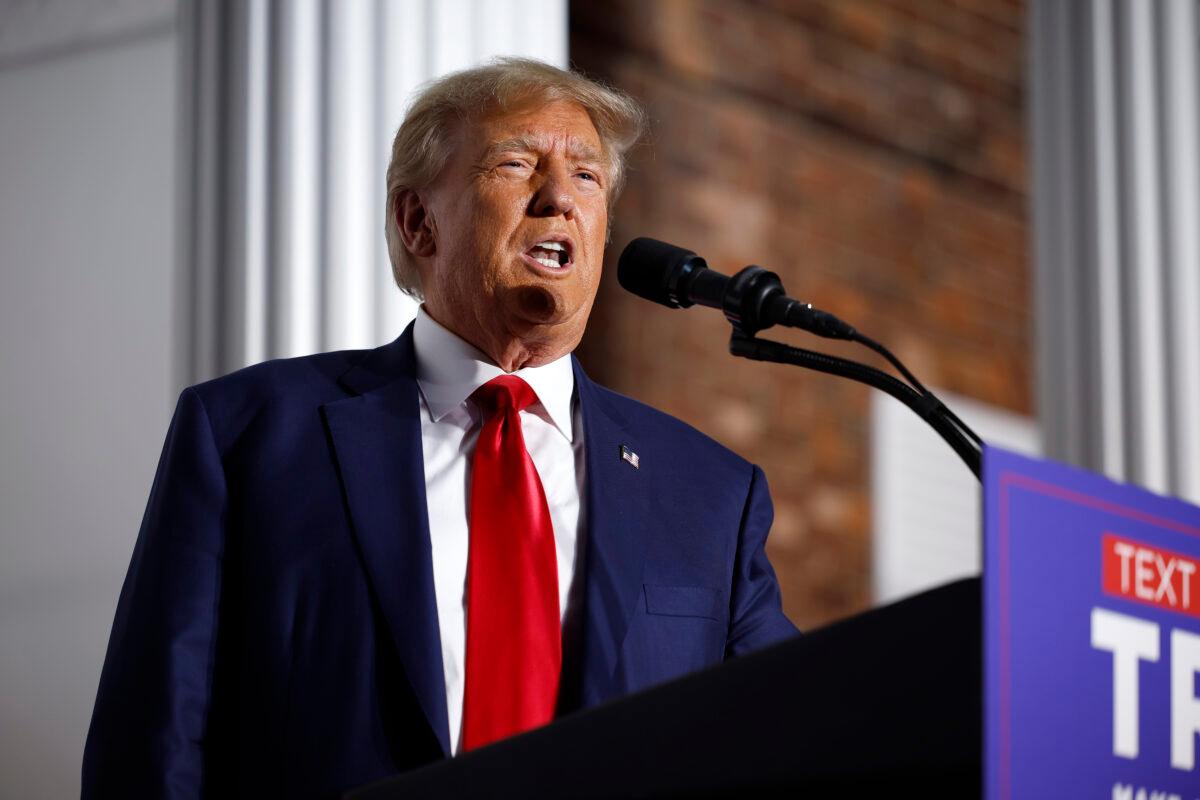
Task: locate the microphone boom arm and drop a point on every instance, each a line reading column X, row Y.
column 753, row 300
column 927, row 406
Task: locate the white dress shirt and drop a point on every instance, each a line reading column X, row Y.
column 448, row 371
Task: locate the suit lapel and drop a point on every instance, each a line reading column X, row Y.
column 615, row 540
column 377, row 441
column 376, row 436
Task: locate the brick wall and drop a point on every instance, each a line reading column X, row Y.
column 872, row 152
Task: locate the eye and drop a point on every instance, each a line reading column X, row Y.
column 589, row 176
column 514, row 164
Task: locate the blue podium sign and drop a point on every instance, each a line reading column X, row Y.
column 1091, row 636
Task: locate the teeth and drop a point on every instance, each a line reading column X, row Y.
column 550, row 246
column 548, row 262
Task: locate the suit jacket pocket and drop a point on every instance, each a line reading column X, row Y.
column 683, row 601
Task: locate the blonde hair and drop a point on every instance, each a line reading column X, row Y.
column 426, row 137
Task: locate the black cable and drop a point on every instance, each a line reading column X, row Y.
column 895, row 362
column 925, row 404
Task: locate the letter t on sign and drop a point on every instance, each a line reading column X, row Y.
column 1130, row 640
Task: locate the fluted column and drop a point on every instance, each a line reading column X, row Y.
column 1116, row 211
column 292, row 105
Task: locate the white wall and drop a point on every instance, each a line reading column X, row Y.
column 926, row 506
column 105, row 106
column 87, row 218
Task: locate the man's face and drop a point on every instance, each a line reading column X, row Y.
column 518, row 219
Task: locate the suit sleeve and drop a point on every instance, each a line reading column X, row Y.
column 756, row 616
column 147, row 731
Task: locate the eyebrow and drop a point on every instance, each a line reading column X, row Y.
column 531, row 144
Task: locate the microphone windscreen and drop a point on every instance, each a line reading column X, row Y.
column 652, row 269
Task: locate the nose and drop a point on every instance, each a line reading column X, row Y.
column 554, row 197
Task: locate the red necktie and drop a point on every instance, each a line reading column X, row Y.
column 514, row 640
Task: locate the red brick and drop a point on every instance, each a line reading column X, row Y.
column 871, row 153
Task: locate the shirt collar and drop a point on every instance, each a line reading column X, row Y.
column 449, row 370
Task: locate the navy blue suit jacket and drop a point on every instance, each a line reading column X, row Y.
column 277, row 632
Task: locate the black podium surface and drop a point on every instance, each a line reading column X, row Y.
column 889, row 701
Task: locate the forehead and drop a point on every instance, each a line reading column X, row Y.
column 541, row 126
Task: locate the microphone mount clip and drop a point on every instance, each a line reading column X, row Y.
column 748, row 299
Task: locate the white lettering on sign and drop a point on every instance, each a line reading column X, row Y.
column 1142, row 586
column 1130, row 640
column 1187, row 569
column 1185, row 706
column 1165, row 570
column 1125, row 791
column 1152, row 577
column 1124, row 551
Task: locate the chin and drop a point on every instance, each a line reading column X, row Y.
column 540, row 334
column 545, row 341
column 539, row 305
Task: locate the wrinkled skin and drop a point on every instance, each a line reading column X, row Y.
column 513, row 179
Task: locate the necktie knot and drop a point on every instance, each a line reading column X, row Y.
column 502, row 393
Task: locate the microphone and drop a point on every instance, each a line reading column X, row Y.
column 752, row 300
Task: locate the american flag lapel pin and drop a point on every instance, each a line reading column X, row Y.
column 630, row 457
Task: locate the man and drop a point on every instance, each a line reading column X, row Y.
column 355, row 563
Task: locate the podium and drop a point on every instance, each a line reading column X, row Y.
column 885, row 701
column 1070, row 669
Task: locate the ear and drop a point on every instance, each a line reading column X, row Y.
column 417, row 228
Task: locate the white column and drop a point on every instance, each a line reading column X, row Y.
column 1058, row 322
column 1181, row 85
column 1146, row 436
column 295, row 103
column 1108, row 413
column 296, row 180
column 251, row 290
column 1116, row 204
column 352, row 175
column 405, row 66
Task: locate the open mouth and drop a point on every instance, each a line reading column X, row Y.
column 554, row 254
